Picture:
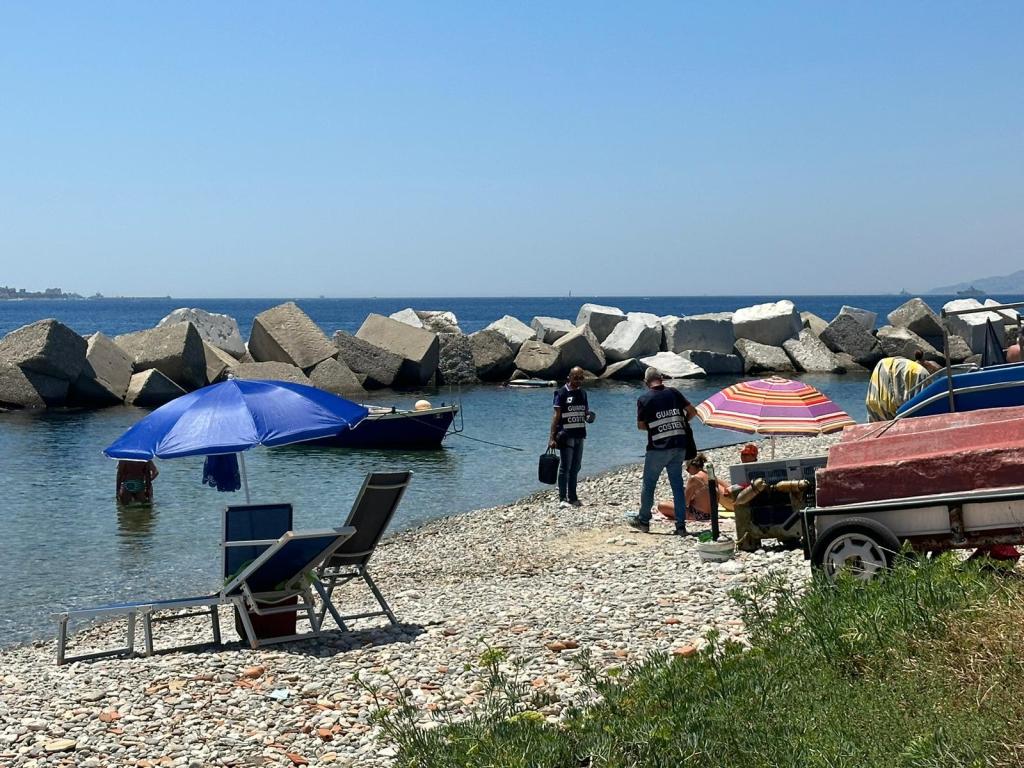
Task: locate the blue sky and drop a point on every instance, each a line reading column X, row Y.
column 358, row 149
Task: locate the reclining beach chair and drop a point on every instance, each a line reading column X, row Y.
column 278, row 574
column 370, row 516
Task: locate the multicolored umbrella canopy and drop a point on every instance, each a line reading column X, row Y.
column 773, row 406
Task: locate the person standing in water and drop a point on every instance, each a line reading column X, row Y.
column 567, row 433
column 135, row 481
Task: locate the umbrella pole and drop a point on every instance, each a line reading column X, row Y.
column 245, row 478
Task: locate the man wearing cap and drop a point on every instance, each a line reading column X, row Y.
column 568, row 431
column 663, row 413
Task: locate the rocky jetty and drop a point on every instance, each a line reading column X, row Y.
column 541, row 583
column 46, row 364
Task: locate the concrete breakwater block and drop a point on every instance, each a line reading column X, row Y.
column 903, row 342
column 972, row 328
column 46, row 346
column 218, row 363
column 418, row 348
column 915, row 315
column 631, row 338
column 374, row 366
column 550, row 329
column 810, row 354
column 673, row 366
column 715, row 363
column 106, row 374
column 16, row 390
column 601, row 319
column 272, row 371
column 433, row 320
column 151, row 389
column 514, row 330
column 769, row 324
column 845, row 334
column 174, row 350
column 762, row 358
column 712, row 332
column 334, row 376
column 455, row 363
column 813, row 323
column 493, row 356
column 925, row 455
column 625, row 370
column 286, row 334
column 221, row 331
column 865, row 317
column 581, row 348
column 540, row 361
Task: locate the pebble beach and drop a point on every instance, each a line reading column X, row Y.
column 541, row 583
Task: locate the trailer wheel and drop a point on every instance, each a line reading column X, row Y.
column 858, row 545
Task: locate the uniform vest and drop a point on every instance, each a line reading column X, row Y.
column 666, row 422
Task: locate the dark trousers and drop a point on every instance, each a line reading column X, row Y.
column 569, row 468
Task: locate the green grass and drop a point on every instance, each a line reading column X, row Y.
column 922, row 668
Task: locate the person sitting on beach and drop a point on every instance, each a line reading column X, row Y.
column 135, row 482
column 698, row 496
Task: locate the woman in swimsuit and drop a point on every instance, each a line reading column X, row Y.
column 135, row 482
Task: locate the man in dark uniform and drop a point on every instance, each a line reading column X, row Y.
column 568, row 431
column 663, row 413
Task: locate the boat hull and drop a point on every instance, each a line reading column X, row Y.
column 998, row 386
column 396, row 429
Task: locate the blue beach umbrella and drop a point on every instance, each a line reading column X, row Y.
column 234, row 416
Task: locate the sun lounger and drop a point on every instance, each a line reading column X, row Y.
column 265, row 586
column 371, row 514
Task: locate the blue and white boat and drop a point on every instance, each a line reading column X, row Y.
column 998, row 386
column 397, row 428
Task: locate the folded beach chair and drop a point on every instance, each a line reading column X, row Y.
column 278, row 574
column 370, row 516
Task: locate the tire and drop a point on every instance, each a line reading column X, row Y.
column 859, row 545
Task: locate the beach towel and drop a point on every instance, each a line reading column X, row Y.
column 891, row 383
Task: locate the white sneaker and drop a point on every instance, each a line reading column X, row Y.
column 564, row 505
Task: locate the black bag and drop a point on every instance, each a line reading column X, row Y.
column 547, row 467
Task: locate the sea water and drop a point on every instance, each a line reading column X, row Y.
column 65, row 542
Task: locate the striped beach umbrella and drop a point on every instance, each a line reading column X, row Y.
column 773, row 406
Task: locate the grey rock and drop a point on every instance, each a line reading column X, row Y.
column 581, row 348
column 334, row 376
column 903, row 342
column 286, row 334
column 455, row 359
column 759, row 358
column 439, row 321
column 845, row 334
column 418, row 348
column 625, row 370
column 271, row 371
column 46, row 346
column 959, row 350
column 673, row 366
column 407, row 316
column 539, row 360
column 151, row 389
column 916, row 315
column 810, row 354
column 54, row 391
column 374, row 366
column 221, row 331
column 647, row 318
column 174, row 350
column 769, row 324
column 865, row 317
column 514, row 330
column 712, row 332
column 1009, row 314
column 218, row 362
column 16, row 391
column 813, row 323
column 602, row 320
column 851, row 365
column 631, row 338
column 105, row 376
column 551, row 329
column 715, row 363
column 972, row 328
column 492, row 354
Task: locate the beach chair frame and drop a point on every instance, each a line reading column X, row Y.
column 345, row 566
column 238, row 592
